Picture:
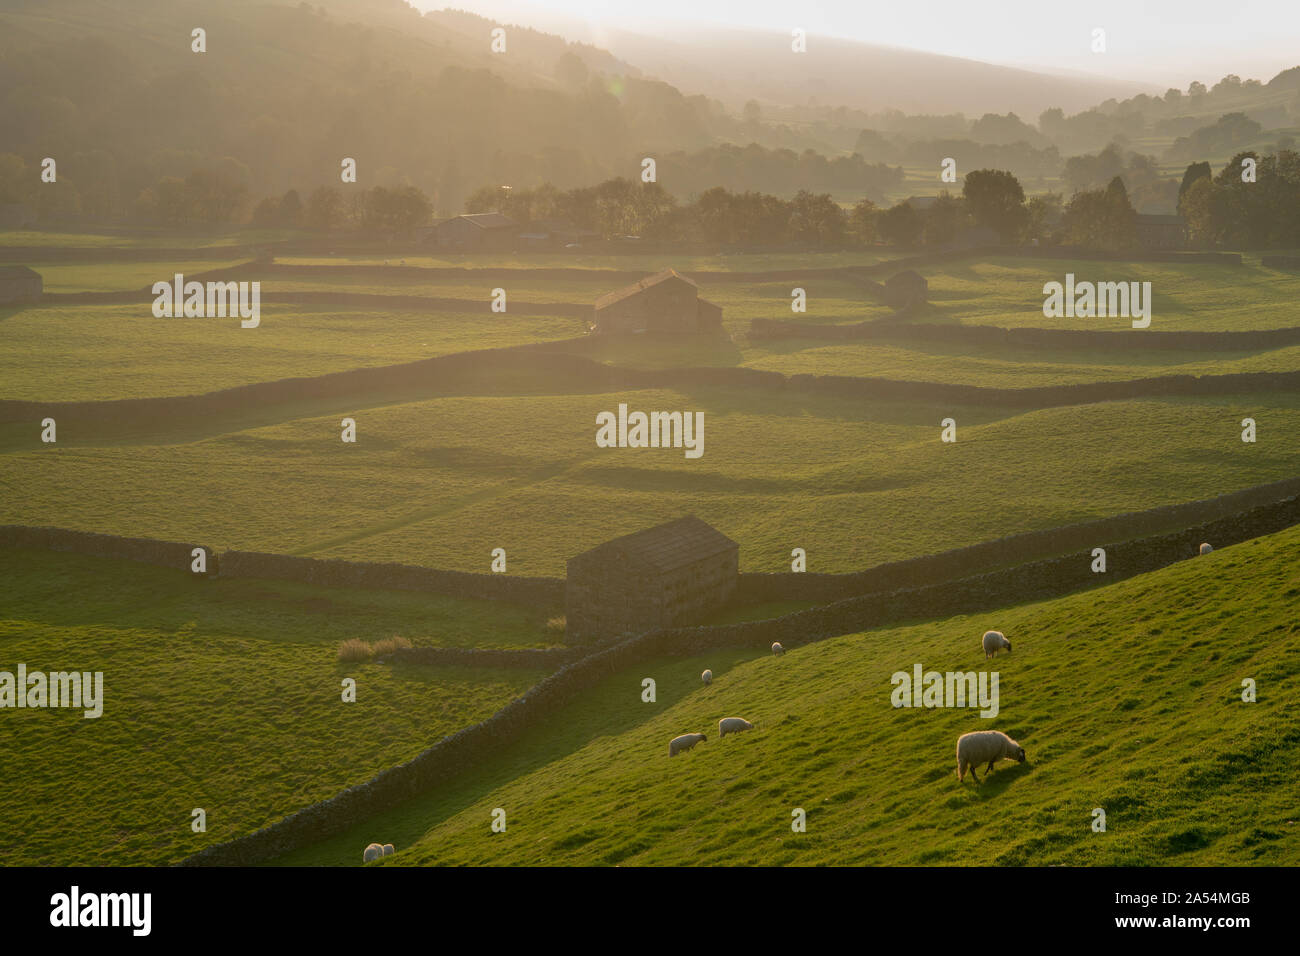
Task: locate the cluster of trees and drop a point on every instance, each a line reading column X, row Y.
column 1148, row 188
column 622, row 207
column 989, row 198
column 209, row 195
column 376, row 211
column 781, row 171
column 1224, row 210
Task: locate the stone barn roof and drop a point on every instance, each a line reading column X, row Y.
column 18, row 272
column 664, row 547
column 609, row 298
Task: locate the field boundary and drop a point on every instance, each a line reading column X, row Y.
column 560, row 370
column 764, row 330
column 1053, row 577
column 361, row 575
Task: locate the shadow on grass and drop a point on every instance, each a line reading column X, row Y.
column 611, row 708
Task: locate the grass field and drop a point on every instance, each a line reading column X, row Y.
column 1131, row 703
column 80, row 352
column 1192, row 296
column 224, row 695
column 442, row 482
column 144, row 238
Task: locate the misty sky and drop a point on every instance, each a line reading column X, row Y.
column 1163, row 42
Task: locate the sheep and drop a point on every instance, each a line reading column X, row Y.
column 777, row 648
column 733, row 725
column 994, row 641
column 707, row 677
column 1206, row 548
column 388, row 849
column 684, row 742
column 373, row 852
column 979, row 746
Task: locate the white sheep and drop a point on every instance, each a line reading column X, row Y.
column 373, row 852
column 684, row 742
column 1206, row 548
column 707, row 677
column 733, row 725
column 777, row 648
column 388, row 849
column 983, row 746
column 994, row 641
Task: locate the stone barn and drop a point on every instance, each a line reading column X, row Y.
column 906, row 288
column 664, row 302
column 476, row 231
column 660, row 577
column 19, row 284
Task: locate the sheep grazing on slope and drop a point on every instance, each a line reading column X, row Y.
column 777, row 648
column 985, row 746
column 707, row 677
column 994, row 641
column 733, row 725
column 388, row 849
column 373, row 852
column 684, row 742
column 1206, row 548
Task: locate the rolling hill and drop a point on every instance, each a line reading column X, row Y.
column 1126, row 698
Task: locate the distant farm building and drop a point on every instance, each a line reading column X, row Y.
column 660, row 577
column 664, row 302
column 552, row 234
column 907, row 288
column 19, row 284
column 1161, row 232
column 478, row 231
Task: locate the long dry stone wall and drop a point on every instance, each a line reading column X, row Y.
column 461, row 751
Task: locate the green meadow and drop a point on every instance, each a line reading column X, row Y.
column 441, row 482
column 1008, row 292
column 80, row 352
column 224, row 695
column 1127, row 699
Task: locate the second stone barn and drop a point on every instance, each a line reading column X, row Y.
column 666, row 302
column 663, row 576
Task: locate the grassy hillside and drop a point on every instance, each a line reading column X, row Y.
column 1126, row 698
column 221, row 694
column 444, row 481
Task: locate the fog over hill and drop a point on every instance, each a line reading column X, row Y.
column 735, row 65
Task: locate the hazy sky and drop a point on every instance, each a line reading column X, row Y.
column 1166, row 42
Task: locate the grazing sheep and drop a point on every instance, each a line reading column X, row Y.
column 373, row 852
column 733, row 725
column 707, row 677
column 388, row 849
column 777, row 648
column 1206, row 548
column 994, row 641
column 684, row 742
column 983, row 746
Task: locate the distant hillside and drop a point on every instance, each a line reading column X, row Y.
column 738, row 65
column 112, row 89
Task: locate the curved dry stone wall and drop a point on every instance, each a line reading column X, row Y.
column 458, row 752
